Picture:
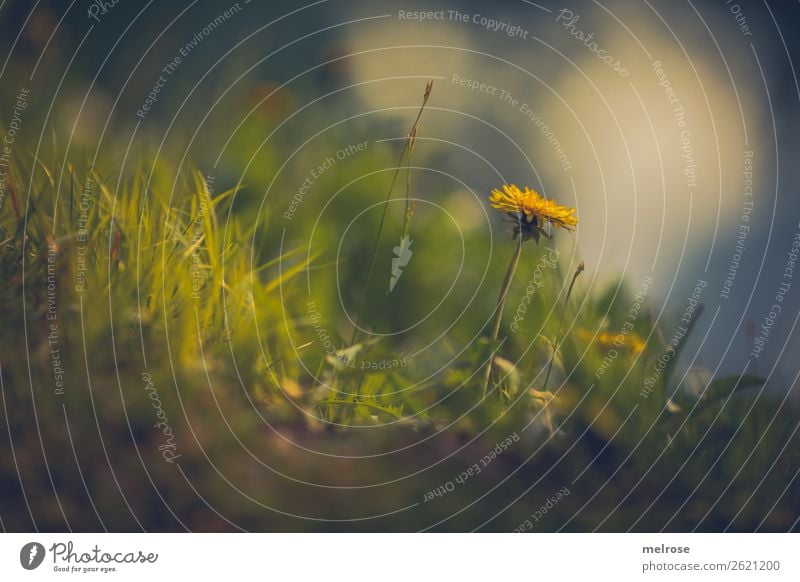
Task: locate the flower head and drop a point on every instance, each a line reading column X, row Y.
column 535, row 208
column 607, row 340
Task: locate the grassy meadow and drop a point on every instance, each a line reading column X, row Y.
column 186, row 347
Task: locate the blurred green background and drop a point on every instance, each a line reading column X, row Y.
column 193, row 274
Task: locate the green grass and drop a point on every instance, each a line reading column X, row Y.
column 194, row 289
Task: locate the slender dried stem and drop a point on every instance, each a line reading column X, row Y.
column 410, row 204
column 408, row 144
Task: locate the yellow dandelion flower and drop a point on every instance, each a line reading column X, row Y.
column 536, row 208
column 608, row 340
column 637, row 344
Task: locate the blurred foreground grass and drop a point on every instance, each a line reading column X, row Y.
column 165, row 366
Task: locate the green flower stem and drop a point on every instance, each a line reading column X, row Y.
column 578, row 271
column 498, row 313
